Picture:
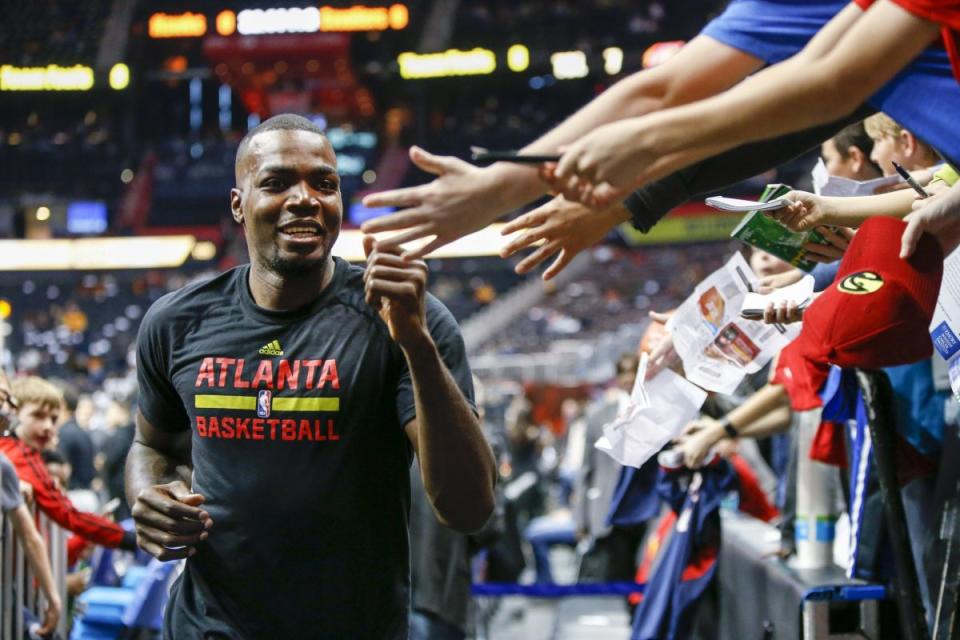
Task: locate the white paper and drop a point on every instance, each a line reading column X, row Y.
column 639, row 395
column 800, row 293
column 945, row 326
column 736, row 204
column 826, row 185
column 638, row 434
column 718, row 347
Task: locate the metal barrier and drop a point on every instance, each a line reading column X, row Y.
column 18, row 585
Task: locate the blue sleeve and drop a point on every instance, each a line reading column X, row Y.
column 771, row 30
column 824, row 274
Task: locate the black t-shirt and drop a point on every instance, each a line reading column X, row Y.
column 299, row 448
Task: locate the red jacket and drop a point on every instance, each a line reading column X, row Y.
column 53, row 502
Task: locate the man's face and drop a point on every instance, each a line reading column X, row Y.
column 288, row 200
column 38, row 424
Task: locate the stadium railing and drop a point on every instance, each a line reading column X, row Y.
column 18, row 585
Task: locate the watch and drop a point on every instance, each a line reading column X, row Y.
column 728, row 428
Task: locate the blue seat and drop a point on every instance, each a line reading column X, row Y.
column 146, row 611
column 107, row 611
column 93, row 631
column 134, row 576
column 105, row 605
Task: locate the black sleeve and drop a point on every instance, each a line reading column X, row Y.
column 157, row 398
column 446, row 334
column 649, row 204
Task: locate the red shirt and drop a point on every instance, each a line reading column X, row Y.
column 52, row 501
column 946, row 13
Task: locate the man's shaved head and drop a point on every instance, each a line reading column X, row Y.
column 284, row 121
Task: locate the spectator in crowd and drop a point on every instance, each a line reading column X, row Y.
column 525, row 442
column 849, row 154
column 115, row 450
column 613, row 555
column 74, row 441
column 464, row 198
column 858, row 51
column 34, row 547
column 895, row 144
column 39, row 406
column 57, row 466
column 892, row 143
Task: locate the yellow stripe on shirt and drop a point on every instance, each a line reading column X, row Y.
column 249, row 403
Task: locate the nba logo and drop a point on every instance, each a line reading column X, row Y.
column 263, row 403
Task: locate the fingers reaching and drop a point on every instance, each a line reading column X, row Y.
column 911, row 235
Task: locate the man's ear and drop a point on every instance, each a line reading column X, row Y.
column 858, row 156
column 236, row 205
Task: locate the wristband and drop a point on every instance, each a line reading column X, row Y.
column 649, row 204
column 728, row 428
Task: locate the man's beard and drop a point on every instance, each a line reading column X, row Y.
column 297, row 267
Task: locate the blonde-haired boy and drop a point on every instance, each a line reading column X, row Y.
column 38, row 407
column 892, row 143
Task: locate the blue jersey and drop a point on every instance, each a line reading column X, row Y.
column 923, row 98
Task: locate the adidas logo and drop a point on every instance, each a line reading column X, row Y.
column 272, row 349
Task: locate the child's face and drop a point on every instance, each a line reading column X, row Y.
column 886, row 151
column 38, row 424
column 854, row 166
column 765, row 264
column 835, row 163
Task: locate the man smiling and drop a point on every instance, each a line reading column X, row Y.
column 298, row 527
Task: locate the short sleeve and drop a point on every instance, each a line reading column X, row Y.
column 157, row 398
column 947, row 174
column 10, row 497
column 446, row 335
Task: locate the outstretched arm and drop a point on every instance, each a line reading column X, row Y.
column 798, row 93
column 567, row 227
column 456, row 463
column 464, row 198
column 766, row 412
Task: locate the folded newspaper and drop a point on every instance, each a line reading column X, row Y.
column 718, row 348
column 800, row 293
column 638, row 433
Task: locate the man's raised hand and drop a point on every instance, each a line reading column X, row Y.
column 397, row 289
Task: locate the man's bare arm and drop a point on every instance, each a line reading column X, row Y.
column 169, row 519
column 798, row 93
column 456, row 463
